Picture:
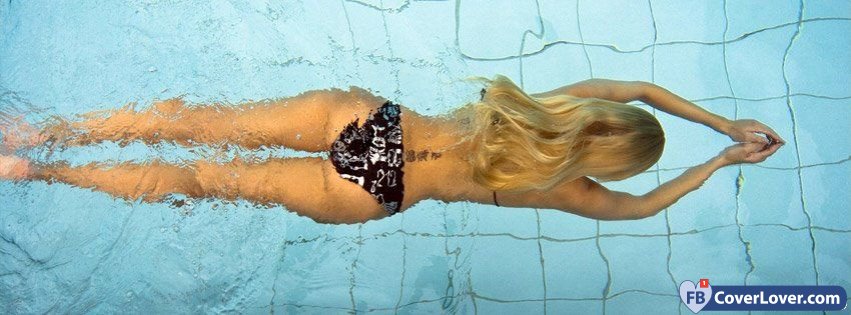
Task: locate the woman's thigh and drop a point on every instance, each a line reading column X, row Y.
column 307, row 186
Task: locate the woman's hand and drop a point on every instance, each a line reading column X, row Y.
column 749, row 152
column 747, row 130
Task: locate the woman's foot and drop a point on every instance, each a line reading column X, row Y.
column 13, row 167
column 19, row 134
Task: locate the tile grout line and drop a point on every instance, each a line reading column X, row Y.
column 352, row 36
column 404, row 266
column 642, row 49
column 582, row 41
column 769, row 98
column 470, row 289
column 397, row 93
column 842, row 161
column 539, row 35
column 581, row 299
column 608, row 286
column 541, row 256
column 569, row 240
column 381, row 7
column 352, row 278
column 658, row 174
column 795, row 136
column 740, row 177
column 275, row 280
column 450, row 286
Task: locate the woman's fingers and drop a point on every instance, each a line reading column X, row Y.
column 763, row 153
column 774, row 138
column 750, row 152
column 743, row 151
column 766, row 130
column 749, row 130
column 753, row 147
column 752, row 137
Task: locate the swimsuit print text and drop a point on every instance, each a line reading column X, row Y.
column 421, row 155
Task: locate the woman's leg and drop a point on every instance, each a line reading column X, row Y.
column 299, row 122
column 13, row 167
column 302, row 185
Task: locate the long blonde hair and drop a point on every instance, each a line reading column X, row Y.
column 522, row 143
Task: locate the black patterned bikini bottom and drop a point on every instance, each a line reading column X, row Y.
column 371, row 156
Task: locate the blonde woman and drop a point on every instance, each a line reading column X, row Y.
column 510, row 149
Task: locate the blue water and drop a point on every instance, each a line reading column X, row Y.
column 785, row 221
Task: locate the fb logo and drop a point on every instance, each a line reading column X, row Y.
column 695, row 297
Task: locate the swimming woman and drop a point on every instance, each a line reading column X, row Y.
column 509, row 149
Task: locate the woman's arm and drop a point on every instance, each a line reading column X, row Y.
column 662, row 99
column 604, row 204
column 743, row 130
column 600, row 203
column 670, row 192
column 649, row 93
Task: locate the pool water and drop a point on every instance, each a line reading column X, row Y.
column 784, row 221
